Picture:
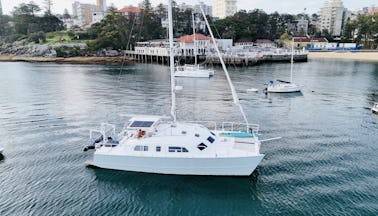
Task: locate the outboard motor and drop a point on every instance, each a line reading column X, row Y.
column 92, row 144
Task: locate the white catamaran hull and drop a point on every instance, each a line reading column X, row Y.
column 226, row 166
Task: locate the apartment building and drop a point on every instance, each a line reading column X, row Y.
column 331, row 17
column 224, row 8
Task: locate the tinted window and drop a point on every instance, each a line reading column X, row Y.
column 201, row 146
column 210, row 139
column 177, row 149
column 158, row 148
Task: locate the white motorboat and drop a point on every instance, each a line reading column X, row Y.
column 280, row 86
column 252, row 90
column 374, row 109
column 155, row 144
column 195, row 70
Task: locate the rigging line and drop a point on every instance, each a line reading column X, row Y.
column 233, row 91
column 124, row 56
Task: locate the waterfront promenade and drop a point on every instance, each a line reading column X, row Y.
column 362, row 55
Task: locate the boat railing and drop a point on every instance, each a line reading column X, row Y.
column 238, row 126
column 106, row 131
column 230, row 126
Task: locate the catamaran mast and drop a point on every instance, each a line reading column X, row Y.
column 171, row 62
column 234, row 94
column 292, row 60
column 194, row 41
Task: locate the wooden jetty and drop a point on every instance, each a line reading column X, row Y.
column 243, row 59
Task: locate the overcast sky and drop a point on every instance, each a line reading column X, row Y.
column 269, row 6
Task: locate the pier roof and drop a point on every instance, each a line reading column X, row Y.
column 190, row 38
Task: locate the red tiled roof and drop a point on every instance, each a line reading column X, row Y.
column 129, row 10
column 309, row 40
column 190, row 38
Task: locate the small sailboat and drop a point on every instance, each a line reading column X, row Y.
column 158, row 144
column 252, row 90
column 195, row 70
column 374, row 109
column 281, row 86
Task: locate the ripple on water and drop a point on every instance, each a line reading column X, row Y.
column 325, row 163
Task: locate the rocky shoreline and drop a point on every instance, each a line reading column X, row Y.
column 116, row 60
column 60, row 53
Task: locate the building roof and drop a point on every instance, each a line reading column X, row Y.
column 243, row 40
column 129, row 10
column 264, row 41
column 190, row 38
column 309, row 40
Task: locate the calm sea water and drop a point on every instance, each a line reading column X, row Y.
column 326, row 163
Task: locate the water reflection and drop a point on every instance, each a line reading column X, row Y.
column 187, row 192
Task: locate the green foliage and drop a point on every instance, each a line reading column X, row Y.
column 364, row 30
column 66, row 51
column 5, row 27
column 26, row 22
column 38, row 37
column 286, row 37
column 253, row 25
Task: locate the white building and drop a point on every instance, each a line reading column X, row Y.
column 102, row 5
column 206, row 8
column 87, row 14
column 224, row 8
column 197, row 8
column 331, row 17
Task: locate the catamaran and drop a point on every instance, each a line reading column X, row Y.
column 281, row 86
column 163, row 145
column 195, row 70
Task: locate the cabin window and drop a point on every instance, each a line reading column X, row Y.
column 177, row 149
column 158, row 148
column 201, row 146
column 140, row 148
column 197, row 135
column 212, row 133
column 210, row 139
column 183, row 132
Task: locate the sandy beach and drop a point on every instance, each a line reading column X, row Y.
column 346, row 55
column 71, row 60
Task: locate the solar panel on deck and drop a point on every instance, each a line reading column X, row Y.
column 141, row 124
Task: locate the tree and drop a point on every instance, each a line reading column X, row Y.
column 5, row 27
column 24, row 16
column 112, row 32
column 66, row 15
column 48, row 5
